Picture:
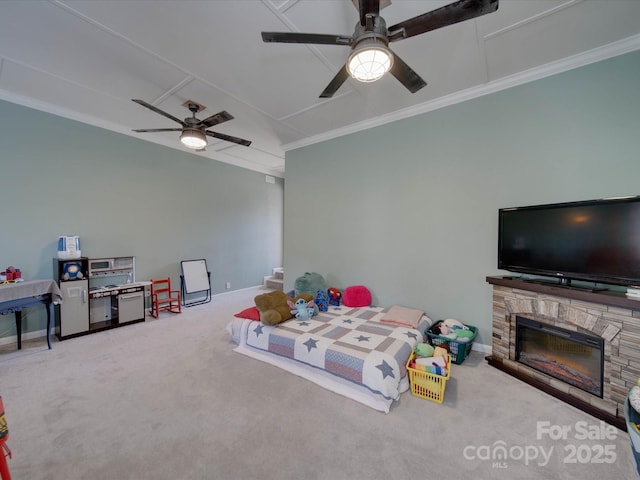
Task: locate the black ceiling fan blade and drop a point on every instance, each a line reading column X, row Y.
column 441, row 17
column 406, row 75
column 217, row 118
column 368, row 7
column 314, row 38
column 229, row 138
column 157, row 110
column 158, row 130
column 336, row 83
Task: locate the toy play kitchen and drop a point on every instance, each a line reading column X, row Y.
column 99, row 294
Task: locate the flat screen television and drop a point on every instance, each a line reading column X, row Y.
column 595, row 241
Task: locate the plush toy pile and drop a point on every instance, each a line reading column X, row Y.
column 431, row 359
column 453, row 330
column 314, row 284
column 309, row 296
column 274, row 307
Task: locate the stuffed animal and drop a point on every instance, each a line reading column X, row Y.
column 442, row 330
column 442, row 351
column 424, row 350
column 273, row 306
column 335, row 296
column 322, row 300
column 454, row 324
column 451, row 329
column 302, row 309
column 309, row 283
column 71, row 271
column 464, row 336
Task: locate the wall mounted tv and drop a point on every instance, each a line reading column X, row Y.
column 595, row 240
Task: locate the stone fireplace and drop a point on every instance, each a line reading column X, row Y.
column 609, row 316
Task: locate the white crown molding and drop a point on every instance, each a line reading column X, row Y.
column 621, row 47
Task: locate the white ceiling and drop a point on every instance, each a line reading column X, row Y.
column 86, row 60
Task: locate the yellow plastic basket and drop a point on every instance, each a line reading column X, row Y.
column 427, row 385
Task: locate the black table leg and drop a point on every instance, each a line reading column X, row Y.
column 18, row 314
column 49, row 306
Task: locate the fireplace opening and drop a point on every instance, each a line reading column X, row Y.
column 572, row 357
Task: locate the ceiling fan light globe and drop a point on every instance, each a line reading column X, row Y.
column 369, row 64
column 193, row 138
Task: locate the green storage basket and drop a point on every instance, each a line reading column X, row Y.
column 459, row 350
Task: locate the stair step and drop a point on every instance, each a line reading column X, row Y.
column 278, row 273
column 274, row 283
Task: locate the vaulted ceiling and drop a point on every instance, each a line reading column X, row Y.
column 86, row 60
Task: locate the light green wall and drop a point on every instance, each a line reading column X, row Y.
column 410, row 209
column 126, row 196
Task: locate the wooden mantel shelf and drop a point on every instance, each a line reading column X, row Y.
column 604, row 297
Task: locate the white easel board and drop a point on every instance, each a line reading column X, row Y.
column 196, row 276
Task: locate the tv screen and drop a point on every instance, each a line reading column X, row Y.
column 595, row 240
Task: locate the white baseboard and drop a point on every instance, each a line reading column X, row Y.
column 238, row 290
column 13, row 339
column 481, row 347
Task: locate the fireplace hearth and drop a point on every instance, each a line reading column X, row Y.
column 571, row 357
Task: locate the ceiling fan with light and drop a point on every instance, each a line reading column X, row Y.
column 370, row 56
column 194, row 132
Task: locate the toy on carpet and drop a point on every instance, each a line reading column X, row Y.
column 356, row 296
column 302, row 309
column 273, row 306
column 322, row 300
column 335, row 296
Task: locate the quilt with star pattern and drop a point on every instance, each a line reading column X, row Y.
column 350, row 343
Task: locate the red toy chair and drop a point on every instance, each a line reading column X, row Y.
column 163, row 298
column 4, row 436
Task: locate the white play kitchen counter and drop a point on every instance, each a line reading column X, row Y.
column 119, row 304
column 99, row 294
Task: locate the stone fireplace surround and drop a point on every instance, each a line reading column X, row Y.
column 610, row 315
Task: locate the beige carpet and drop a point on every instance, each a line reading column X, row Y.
column 169, row 399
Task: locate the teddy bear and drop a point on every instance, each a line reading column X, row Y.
column 273, row 306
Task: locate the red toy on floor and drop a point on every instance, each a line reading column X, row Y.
column 4, row 436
